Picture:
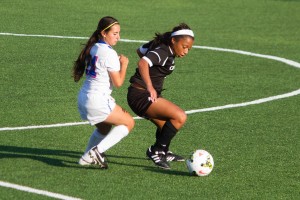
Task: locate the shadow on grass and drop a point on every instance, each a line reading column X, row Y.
column 52, row 157
column 169, row 172
column 65, row 158
column 58, row 158
column 153, row 168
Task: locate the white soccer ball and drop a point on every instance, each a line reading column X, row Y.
column 201, row 163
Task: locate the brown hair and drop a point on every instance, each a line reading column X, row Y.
column 84, row 57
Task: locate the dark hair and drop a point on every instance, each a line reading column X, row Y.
column 165, row 38
column 84, row 57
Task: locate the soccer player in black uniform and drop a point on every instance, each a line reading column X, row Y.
column 157, row 60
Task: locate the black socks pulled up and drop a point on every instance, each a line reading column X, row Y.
column 164, row 137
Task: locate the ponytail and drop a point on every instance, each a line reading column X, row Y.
column 161, row 38
column 165, row 38
column 84, row 57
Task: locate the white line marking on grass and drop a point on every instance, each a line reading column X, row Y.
column 42, row 126
column 36, row 191
column 64, row 37
column 258, row 101
column 44, row 36
column 48, row 126
column 283, row 60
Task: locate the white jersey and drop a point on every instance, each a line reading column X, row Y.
column 94, row 100
column 104, row 59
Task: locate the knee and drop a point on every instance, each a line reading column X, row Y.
column 181, row 118
column 130, row 124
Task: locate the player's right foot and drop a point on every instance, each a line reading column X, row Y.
column 170, row 156
column 85, row 160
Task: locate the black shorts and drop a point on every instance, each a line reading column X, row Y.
column 138, row 100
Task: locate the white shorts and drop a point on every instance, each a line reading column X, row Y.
column 95, row 107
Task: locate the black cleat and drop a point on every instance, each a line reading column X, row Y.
column 173, row 157
column 159, row 158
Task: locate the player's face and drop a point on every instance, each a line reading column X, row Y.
column 113, row 35
column 182, row 46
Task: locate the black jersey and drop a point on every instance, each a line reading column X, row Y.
column 161, row 62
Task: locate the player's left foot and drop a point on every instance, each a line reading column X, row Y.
column 170, row 156
column 87, row 160
column 98, row 158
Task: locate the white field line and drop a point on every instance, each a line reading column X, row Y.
column 283, row 60
column 36, row 191
column 258, row 101
column 64, row 37
column 48, row 126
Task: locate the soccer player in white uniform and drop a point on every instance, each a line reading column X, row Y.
column 104, row 70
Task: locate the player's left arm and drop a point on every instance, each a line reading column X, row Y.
column 118, row 77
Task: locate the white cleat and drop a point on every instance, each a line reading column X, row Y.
column 86, row 160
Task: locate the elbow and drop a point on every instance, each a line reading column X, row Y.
column 118, row 84
column 139, row 53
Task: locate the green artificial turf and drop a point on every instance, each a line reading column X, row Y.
column 255, row 147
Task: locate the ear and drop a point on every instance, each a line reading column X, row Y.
column 173, row 40
column 103, row 33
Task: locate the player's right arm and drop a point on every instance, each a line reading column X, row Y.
column 139, row 53
column 144, row 71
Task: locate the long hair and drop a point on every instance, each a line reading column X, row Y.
column 84, row 56
column 165, row 38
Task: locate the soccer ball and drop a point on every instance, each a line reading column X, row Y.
column 201, row 163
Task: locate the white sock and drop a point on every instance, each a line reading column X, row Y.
column 112, row 138
column 95, row 139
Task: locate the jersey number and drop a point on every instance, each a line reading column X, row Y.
column 91, row 69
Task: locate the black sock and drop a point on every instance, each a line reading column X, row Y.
column 157, row 134
column 163, row 139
